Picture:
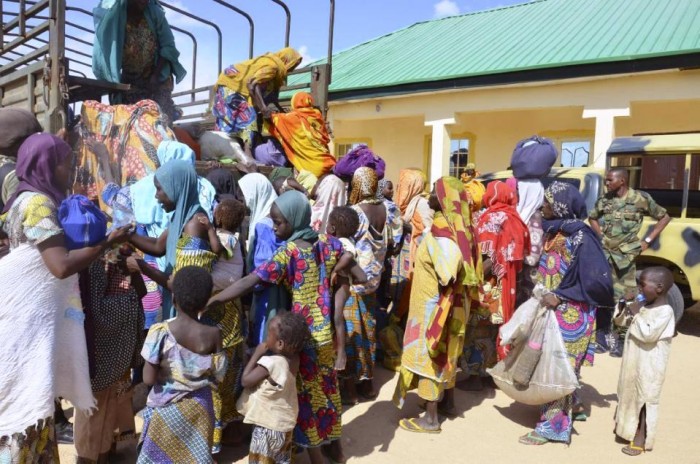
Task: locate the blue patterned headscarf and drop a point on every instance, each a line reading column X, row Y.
column 566, row 201
column 588, row 278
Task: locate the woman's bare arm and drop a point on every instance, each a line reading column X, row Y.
column 63, row 263
column 149, row 245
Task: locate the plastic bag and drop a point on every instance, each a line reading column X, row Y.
column 552, row 379
column 518, row 328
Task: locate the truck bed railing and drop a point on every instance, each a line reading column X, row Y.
column 50, row 42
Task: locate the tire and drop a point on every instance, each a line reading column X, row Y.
column 675, row 299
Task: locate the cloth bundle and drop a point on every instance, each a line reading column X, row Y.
column 83, row 223
column 358, row 157
column 533, row 158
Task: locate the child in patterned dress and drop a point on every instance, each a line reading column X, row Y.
column 269, row 400
column 184, row 359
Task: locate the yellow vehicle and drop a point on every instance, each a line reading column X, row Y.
column 668, row 168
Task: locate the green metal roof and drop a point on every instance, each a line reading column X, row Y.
column 540, row 34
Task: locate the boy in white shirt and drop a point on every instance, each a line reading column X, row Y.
column 647, row 347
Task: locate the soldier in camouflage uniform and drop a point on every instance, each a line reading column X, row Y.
column 617, row 218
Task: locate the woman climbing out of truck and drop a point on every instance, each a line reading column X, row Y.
column 302, row 133
column 262, row 76
column 134, row 45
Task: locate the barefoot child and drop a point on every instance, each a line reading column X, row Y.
column 183, row 360
column 304, row 265
column 647, row 346
column 269, row 400
column 343, row 223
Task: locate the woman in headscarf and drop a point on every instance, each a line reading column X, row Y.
column 304, row 265
column 303, row 134
column 530, row 197
column 41, row 319
column 379, row 229
column 148, row 211
column 504, row 241
column 574, row 269
column 259, row 194
column 15, row 126
column 191, row 240
column 259, row 197
column 262, row 76
column 385, row 193
column 417, row 217
column 134, row 45
column 329, row 193
column 448, row 272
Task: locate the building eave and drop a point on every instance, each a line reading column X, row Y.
column 583, row 71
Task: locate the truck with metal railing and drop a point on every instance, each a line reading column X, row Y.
column 46, row 57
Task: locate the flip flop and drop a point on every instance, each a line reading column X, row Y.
column 580, row 416
column 412, row 426
column 632, row 450
column 533, row 439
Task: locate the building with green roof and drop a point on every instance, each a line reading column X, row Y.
column 441, row 93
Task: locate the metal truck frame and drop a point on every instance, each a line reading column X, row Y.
column 42, row 69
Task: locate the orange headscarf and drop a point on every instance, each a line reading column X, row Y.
column 303, row 135
column 410, row 191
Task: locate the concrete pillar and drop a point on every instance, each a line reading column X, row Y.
column 440, row 148
column 604, row 130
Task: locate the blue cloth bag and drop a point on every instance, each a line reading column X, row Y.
column 84, row 224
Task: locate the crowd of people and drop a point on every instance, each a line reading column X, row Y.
column 160, row 300
column 269, row 300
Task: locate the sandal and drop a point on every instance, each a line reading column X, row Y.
column 412, row 426
column 533, row 438
column 632, row 449
column 579, row 416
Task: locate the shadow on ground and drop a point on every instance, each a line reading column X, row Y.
column 690, row 323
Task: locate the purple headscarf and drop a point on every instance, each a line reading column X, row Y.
column 37, row 160
column 358, row 157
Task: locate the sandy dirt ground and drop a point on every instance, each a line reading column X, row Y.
column 491, row 423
